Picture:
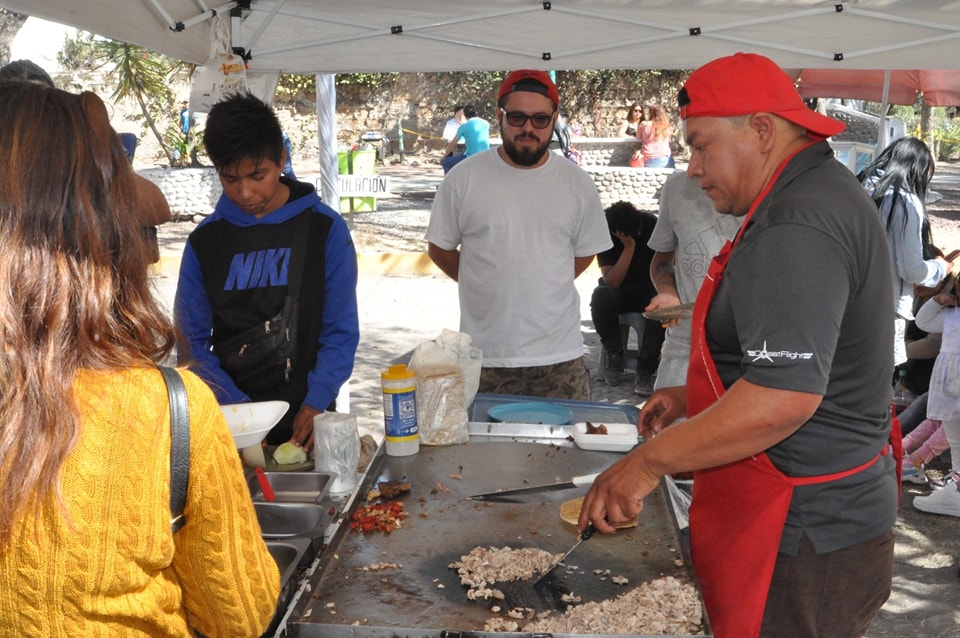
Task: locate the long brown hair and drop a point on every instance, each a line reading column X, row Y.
column 660, row 123
column 74, row 291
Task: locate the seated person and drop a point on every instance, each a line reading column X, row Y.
column 921, row 347
column 625, row 286
column 475, row 131
column 451, row 126
column 628, row 127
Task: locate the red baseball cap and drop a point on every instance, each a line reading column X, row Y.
column 530, row 80
column 746, row 83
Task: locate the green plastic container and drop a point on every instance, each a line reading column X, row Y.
column 360, row 162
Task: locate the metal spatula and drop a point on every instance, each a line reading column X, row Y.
column 541, row 582
column 546, row 594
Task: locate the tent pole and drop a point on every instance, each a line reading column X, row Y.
column 882, row 133
column 189, row 22
column 400, row 136
column 327, row 140
column 208, row 15
column 163, row 14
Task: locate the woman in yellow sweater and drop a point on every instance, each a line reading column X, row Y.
column 86, row 547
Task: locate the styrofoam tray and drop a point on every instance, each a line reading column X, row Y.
column 620, row 437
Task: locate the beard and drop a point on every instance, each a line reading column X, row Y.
column 528, row 155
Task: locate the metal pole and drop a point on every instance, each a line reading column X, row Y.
column 882, row 138
column 400, row 136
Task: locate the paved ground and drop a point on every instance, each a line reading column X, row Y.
column 399, row 310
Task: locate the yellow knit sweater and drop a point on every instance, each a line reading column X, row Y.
column 114, row 568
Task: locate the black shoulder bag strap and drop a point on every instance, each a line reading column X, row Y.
column 298, row 253
column 179, row 445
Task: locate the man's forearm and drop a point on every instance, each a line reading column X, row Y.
column 662, row 273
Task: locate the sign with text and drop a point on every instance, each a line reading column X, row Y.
column 364, row 185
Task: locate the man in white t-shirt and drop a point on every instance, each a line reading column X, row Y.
column 450, row 128
column 688, row 234
column 515, row 225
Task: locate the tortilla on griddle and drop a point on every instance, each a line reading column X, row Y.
column 570, row 513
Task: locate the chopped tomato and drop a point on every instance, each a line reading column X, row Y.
column 381, row 517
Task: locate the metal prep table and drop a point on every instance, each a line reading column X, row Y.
column 424, row 598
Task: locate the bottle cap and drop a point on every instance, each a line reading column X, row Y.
column 397, row 372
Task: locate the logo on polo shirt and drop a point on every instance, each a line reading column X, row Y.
column 769, row 355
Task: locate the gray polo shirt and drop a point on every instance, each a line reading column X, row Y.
column 801, row 307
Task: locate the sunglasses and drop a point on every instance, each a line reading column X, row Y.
column 518, row 119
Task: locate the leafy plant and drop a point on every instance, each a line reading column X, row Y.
column 137, row 73
column 77, row 53
column 363, row 79
column 291, row 85
column 947, row 136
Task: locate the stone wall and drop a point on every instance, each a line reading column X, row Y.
column 193, row 192
column 605, row 151
column 639, row 186
column 606, row 160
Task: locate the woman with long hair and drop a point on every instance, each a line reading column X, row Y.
column 86, row 544
column 654, row 134
column 898, row 180
column 628, row 127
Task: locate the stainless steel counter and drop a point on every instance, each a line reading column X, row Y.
column 424, row 597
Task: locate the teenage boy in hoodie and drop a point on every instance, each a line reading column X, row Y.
column 238, row 264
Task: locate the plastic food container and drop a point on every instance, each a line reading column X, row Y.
column 620, row 437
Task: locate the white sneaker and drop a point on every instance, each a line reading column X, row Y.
column 943, row 501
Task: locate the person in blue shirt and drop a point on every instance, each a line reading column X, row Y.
column 475, row 132
column 185, row 118
column 288, row 164
column 237, row 270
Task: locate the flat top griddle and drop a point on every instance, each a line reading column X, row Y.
column 424, row 597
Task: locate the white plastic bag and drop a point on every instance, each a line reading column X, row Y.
column 336, row 443
column 450, row 350
column 448, row 375
column 441, row 414
column 222, row 74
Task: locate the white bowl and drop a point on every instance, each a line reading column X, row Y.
column 250, row 422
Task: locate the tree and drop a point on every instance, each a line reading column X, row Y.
column 10, row 24
column 77, row 53
column 140, row 74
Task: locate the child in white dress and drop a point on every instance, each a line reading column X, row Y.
column 941, row 314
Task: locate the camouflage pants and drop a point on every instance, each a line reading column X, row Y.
column 567, row 380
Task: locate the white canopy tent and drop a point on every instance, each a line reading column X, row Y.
column 345, row 36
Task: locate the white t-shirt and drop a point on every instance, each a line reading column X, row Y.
column 690, row 226
column 450, row 128
column 519, row 231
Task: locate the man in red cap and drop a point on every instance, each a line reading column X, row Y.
column 515, row 226
column 795, row 486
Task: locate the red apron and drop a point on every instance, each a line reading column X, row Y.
column 738, row 510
